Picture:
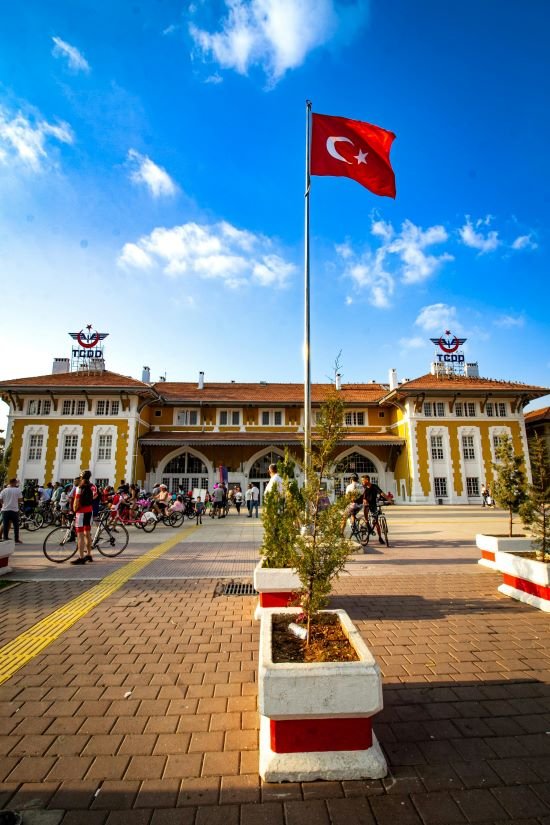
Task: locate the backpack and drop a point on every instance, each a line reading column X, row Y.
column 86, row 496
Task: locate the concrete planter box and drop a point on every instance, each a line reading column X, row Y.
column 6, row 550
column 277, row 587
column 316, row 719
column 491, row 545
column 524, row 579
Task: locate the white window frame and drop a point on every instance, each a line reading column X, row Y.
column 496, row 409
column 470, row 485
column 434, row 409
column 104, row 447
column 182, row 418
column 270, row 412
column 353, row 415
column 69, row 448
column 441, row 482
column 115, row 407
column 465, row 409
column 468, row 447
column 73, row 406
column 230, row 413
column 437, row 450
column 35, row 447
column 39, row 406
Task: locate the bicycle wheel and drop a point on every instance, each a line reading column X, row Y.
column 175, row 519
column 111, row 541
column 58, row 545
column 384, row 529
column 33, row 522
column 363, row 533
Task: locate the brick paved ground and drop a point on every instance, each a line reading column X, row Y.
column 144, row 712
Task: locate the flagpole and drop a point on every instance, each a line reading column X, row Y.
column 307, row 362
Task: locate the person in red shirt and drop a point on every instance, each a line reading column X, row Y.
column 83, row 508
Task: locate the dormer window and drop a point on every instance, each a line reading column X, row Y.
column 354, row 419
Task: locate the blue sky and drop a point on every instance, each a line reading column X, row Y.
column 152, row 179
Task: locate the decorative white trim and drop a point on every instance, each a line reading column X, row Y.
column 68, row 469
column 33, row 469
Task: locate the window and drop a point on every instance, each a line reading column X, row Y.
column 496, row 410
column 467, row 409
column 103, row 407
column 70, row 447
column 272, row 418
column 104, row 447
column 497, row 441
column 468, row 450
column 101, row 483
column 440, row 487
column 381, row 414
column 115, row 406
column 188, row 418
column 158, row 413
column 73, row 407
column 436, row 409
column 354, row 419
column 230, row 418
column 472, row 487
column 437, row 448
column 35, row 448
column 39, row 407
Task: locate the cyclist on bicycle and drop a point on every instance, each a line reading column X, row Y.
column 355, row 495
column 371, row 494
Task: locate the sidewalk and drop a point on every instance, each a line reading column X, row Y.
column 144, row 710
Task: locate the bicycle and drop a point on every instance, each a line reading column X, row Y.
column 60, row 543
column 30, row 521
column 360, row 531
column 379, row 518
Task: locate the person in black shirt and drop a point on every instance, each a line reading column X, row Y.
column 370, row 502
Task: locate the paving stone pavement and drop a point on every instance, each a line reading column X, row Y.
column 144, row 711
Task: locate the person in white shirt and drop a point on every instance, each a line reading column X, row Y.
column 10, row 498
column 354, row 494
column 275, row 482
column 255, row 500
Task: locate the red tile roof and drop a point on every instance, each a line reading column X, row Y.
column 268, row 393
column 537, row 415
column 76, row 380
column 452, row 383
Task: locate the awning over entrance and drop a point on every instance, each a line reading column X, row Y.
column 204, row 439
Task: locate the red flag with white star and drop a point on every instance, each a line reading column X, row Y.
column 353, row 149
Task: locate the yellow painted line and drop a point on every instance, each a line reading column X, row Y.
column 29, row 644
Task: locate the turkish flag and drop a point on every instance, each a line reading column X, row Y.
column 353, row 149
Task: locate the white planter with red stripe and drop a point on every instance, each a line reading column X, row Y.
column 316, row 718
column 525, row 579
column 276, row 586
column 6, row 549
column 491, row 545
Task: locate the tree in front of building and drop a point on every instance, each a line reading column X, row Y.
column 280, row 517
column 510, row 485
column 5, row 456
column 535, row 512
column 321, row 551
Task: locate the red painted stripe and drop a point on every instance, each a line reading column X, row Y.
column 276, row 599
column 336, row 734
column 486, row 554
column 527, row 587
column 4, row 561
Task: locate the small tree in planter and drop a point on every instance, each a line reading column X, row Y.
column 509, row 487
column 280, row 517
column 321, row 551
column 535, row 512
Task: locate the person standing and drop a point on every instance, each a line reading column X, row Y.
column 255, row 500
column 484, row 494
column 199, row 509
column 10, row 498
column 248, row 499
column 83, row 508
column 275, row 481
column 355, row 493
column 371, row 495
column 238, row 498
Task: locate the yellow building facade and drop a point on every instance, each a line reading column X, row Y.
column 427, row 440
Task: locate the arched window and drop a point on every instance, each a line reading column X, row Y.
column 185, row 463
column 185, row 472
column 353, row 463
column 260, row 467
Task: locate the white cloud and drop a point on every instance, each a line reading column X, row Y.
column 25, row 139
column 524, row 242
column 154, row 177
column 216, row 251
column 509, row 321
column 214, row 79
column 75, row 59
column 276, row 35
column 415, row 342
column 477, row 240
column 400, row 256
column 437, row 317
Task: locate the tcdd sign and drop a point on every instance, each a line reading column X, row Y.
column 448, row 346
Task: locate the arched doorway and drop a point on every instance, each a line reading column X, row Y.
column 258, row 473
column 353, row 463
column 186, row 470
